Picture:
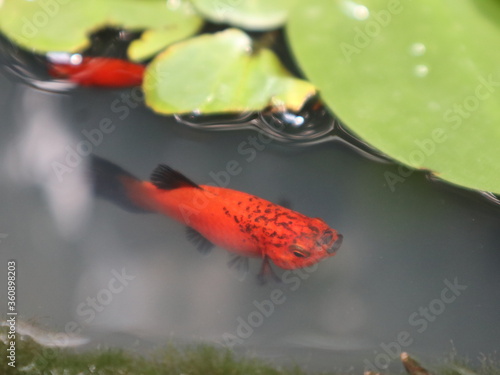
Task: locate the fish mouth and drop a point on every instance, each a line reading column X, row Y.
column 336, row 245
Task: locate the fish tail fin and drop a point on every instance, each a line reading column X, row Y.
column 111, row 182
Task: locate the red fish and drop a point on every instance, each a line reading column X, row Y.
column 242, row 223
column 99, row 71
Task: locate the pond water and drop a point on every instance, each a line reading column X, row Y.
column 417, row 271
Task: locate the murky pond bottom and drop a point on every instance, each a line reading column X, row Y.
column 418, row 269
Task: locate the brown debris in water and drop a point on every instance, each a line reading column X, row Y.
column 411, row 366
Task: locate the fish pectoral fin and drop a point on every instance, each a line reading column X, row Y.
column 266, row 271
column 240, row 263
column 202, row 244
column 166, row 178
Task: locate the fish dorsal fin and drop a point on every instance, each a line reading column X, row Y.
column 164, row 177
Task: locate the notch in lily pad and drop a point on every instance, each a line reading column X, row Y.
column 221, row 73
column 64, row 26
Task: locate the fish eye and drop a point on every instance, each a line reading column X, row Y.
column 299, row 251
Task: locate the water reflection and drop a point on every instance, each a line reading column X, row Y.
column 220, row 122
column 32, row 158
column 29, row 68
column 312, row 125
column 47, row 338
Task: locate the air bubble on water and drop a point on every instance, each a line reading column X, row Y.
column 357, row 11
column 58, row 57
column 421, row 70
column 76, row 59
column 361, row 12
column 417, row 49
column 64, row 58
column 173, row 4
column 293, row 120
column 311, row 124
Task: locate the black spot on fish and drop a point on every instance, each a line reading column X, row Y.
column 286, row 226
column 267, row 211
column 313, row 228
column 236, row 219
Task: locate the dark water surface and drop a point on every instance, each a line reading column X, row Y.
column 418, row 268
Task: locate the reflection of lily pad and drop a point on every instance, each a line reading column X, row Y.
column 418, row 80
column 221, row 73
column 249, row 14
column 45, row 26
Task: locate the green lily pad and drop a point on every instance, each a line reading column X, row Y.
column 155, row 40
column 248, row 14
column 45, row 26
column 221, row 73
column 419, row 80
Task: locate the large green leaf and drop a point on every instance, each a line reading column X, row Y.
column 44, row 26
column 249, row 14
column 419, row 80
column 220, row 73
column 154, row 40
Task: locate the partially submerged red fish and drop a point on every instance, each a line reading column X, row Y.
column 242, row 223
column 99, row 71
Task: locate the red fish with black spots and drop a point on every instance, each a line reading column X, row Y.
column 241, row 223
